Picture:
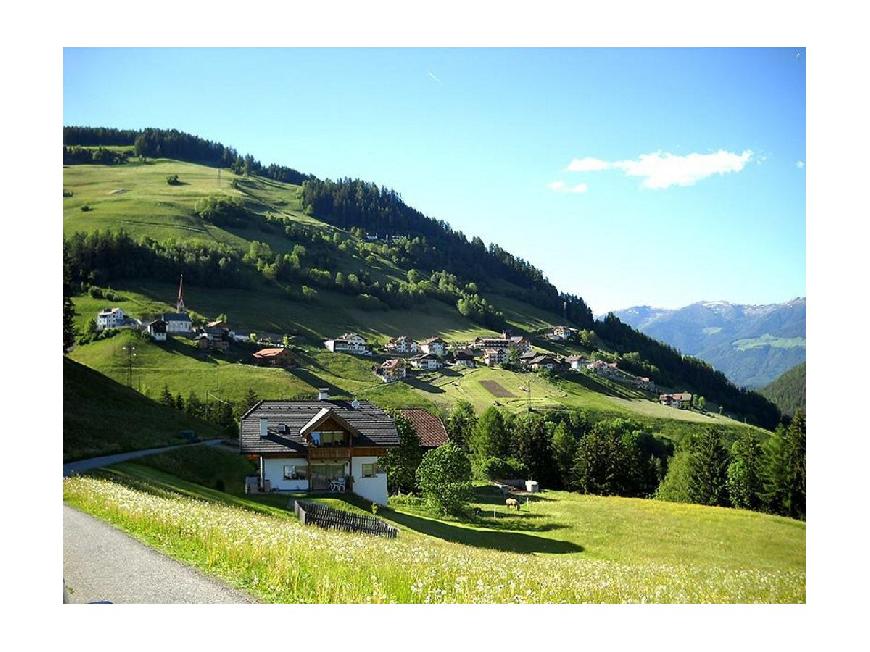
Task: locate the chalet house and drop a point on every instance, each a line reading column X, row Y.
column 321, row 445
column 275, row 357
column 392, row 370
column 434, row 345
column 402, row 345
column 642, row 382
column 216, row 330
column 349, row 343
column 427, row 361
column 207, row 343
column 578, row 362
column 429, row 428
column 464, row 359
column 682, row 400
column 603, row 368
column 492, row 357
column 560, row 333
column 157, row 330
column 542, row 362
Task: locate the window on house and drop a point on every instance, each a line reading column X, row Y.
column 370, row 470
column 295, row 472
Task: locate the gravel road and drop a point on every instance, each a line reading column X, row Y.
column 102, row 563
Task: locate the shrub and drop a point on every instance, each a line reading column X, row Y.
column 444, row 479
column 67, row 193
column 85, row 208
column 172, row 180
column 95, row 292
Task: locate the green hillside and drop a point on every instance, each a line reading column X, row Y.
column 789, row 391
column 298, row 260
column 101, row 417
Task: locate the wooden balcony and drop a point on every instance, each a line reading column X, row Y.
column 328, row 453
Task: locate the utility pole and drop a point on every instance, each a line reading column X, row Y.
column 131, row 353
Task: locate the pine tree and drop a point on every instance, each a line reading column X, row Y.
column 708, row 469
column 166, row 398
column 745, row 472
column 490, row 438
column 564, row 451
column 250, row 399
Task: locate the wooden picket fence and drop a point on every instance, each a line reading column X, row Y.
column 336, row 519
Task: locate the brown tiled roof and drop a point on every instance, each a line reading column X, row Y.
column 268, row 353
column 429, row 428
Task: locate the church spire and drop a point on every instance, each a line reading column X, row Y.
column 179, row 305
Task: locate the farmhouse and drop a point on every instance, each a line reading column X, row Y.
column 682, row 400
column 542, row 362
column 464, row 359
column 577, row 362
column 349, row 343
column 206, row 343
column 111, row 318
column 275, row 357
column 560, row 333
column 402, row 345
column 603, row 368
column 429, row 428
column 427, row 361
column 434, row 345
column 392, row 370
column 321, row 445
column 157, row 330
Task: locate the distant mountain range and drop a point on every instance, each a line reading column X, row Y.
column 752, row 345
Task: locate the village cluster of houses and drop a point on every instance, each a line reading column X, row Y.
column 214, row 336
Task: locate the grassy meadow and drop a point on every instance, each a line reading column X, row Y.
column 560, row 547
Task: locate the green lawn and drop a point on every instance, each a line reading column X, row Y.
column 560, row 547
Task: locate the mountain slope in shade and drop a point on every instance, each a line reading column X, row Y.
column 789, row 391
column 752, row 345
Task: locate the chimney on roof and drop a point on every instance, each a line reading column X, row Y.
column 264, row 427
column 355, row 403
column 323, row 394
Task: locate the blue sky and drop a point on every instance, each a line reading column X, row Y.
column 687, row 181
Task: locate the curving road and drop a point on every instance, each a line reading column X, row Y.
column 101, row 563
column 107, row 460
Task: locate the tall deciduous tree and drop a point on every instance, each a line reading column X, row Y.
column 461, row 424
column 444, row 479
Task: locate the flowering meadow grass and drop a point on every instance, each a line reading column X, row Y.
column 269, row 554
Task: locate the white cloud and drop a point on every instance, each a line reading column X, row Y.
column 663, row 170
column 433, row 76
column 800, row 164
column 561, row 186
column 587, row 164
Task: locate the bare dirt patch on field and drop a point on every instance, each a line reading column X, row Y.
column 496, row 389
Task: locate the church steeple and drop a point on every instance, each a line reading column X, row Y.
column 179, row 305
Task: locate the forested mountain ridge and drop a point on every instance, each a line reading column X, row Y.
column 751, row 344
column 789, row 391
column 343, row 253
